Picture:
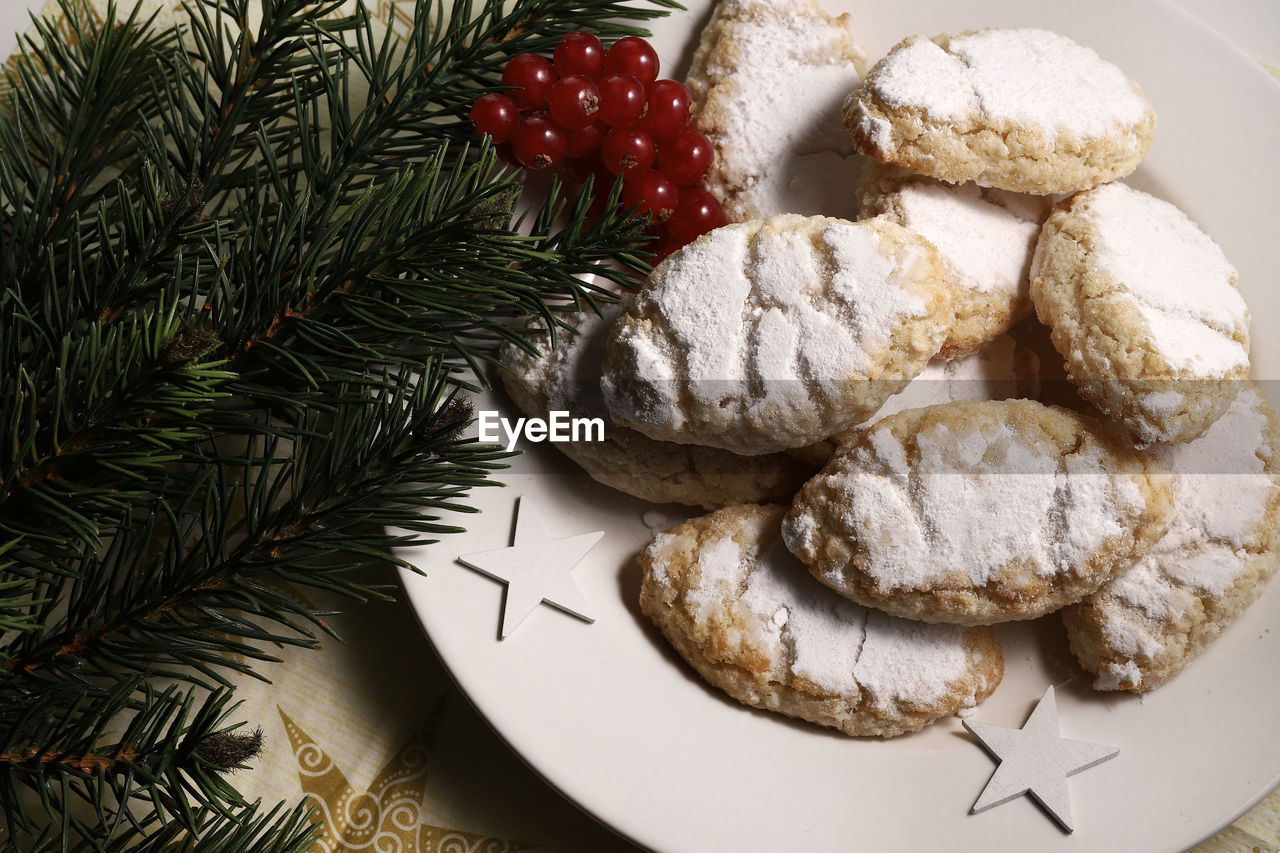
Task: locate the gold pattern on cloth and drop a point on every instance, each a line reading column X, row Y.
column 388, row 817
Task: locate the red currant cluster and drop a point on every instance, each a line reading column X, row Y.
column 606, row 113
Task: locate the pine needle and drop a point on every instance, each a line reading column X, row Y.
column 241, row 307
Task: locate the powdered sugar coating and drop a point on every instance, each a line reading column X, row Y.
column 1143, row 306
column 564, row 375
column 767, row 82
column 902, row 659
column 984, row 236
column 1002, row 370
column 775, row 334
column 999, row 371
column 1145, row 625
column 976, row 512
column 727, row 582
column 1176, row 276
column 977, row 501
column 835, row 644
column 825, row 633
column 920, row 73
column 1027, row 76
column 987, row 244
column 1221, row 486
column 1021, row 109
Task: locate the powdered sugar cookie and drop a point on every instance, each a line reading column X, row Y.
column 774, row 334
column 1024, row 110
column 978, row 513
column 746, row 615
column 566, row 377
column 1002, row 370
column 1144, row 308
column 1221, row 547
column 767, row 81
column 985, row 237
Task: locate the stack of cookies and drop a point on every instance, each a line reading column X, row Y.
column 862, row 399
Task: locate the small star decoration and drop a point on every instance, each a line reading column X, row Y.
column 1036, row 760
column 535, row 569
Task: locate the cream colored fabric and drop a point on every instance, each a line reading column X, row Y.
column 393, row 758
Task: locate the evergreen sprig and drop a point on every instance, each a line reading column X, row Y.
column 250, row 267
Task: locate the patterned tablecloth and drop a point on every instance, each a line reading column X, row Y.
column 375, row 735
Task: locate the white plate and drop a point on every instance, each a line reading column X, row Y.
column 610, row 716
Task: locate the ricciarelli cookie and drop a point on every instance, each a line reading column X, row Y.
column 1002, row 370
column 747, row 616
column 977, row 513
column 1222, row 546
column 1143, row 306
column 774, row 334
column 985, row 237
column 767, row 81
column 1023, row 109
column 566, row 377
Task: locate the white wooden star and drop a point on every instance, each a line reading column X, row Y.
column 535, row 569
column 1036, row 760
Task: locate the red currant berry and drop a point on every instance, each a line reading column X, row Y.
column 666, row 112
column 530, row 77
column 506, row 154
column 599, row 206
column 653, row 192
column 664, row 245
column 573, row 101
column 603, row 182
column 686, row 157
column 634, row 56
column 584, row 140
column 696, row 213
column 494, row 114
column 601, row 188
column 538, row 141
column 621, row 100
column 579, row 168
column 579, row 53
column 627, row 150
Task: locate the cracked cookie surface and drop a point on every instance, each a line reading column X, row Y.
column 775, row 334
column 1145, row 626
column 1020, row 109
column 977, row 513
column 566, row 377
column 747, row 616
column 1002, row 370
column 985, row 237
column 1143, row 307
column 767, row 81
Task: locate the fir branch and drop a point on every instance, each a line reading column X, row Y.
column 77, row 111
column 155, row 771
column 420, row 87
column 278, row 830
column 416, row 266
column 16, row 601
column 179, row 590
column 240, row 302
column 226, row 751
column 245, row 78
column 250, row 828
column 121, row 402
